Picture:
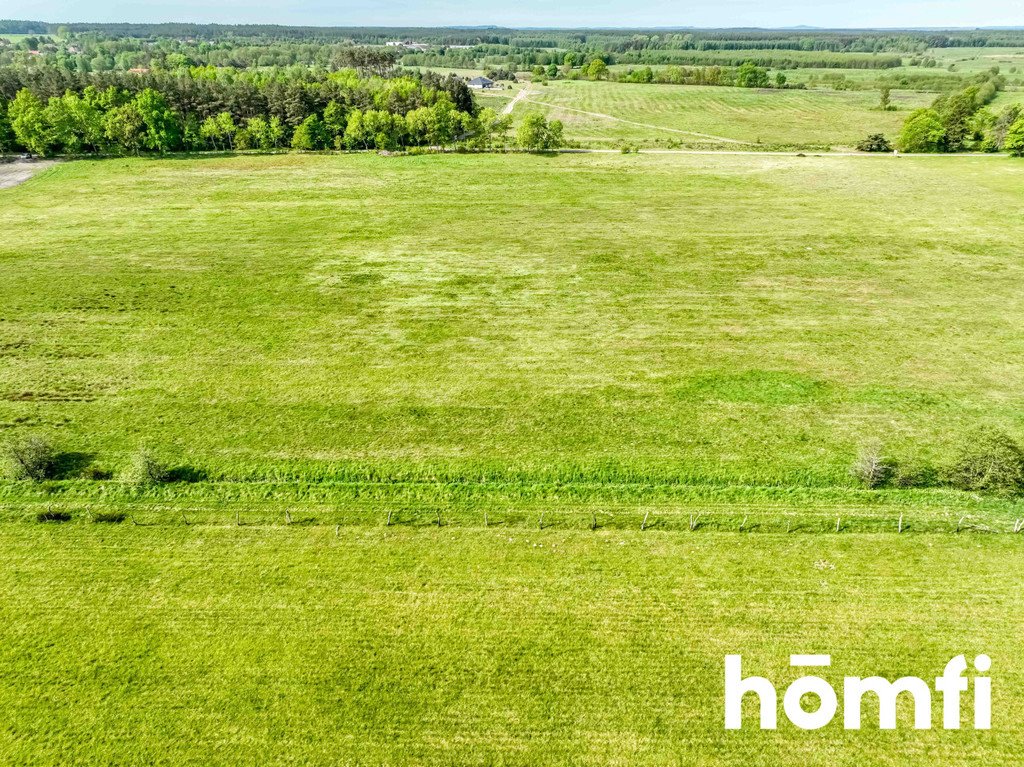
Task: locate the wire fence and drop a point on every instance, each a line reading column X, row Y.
column 735, row 517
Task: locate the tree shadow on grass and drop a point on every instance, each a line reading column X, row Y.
column 71, row 464
column 187, row 474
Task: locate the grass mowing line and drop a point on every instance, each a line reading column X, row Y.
column 791, row 119
column 639, row 124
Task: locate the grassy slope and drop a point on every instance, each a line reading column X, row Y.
column 790, row 118
column 233, row 646
column 530, row 321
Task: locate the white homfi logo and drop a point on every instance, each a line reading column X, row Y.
column 950, row 685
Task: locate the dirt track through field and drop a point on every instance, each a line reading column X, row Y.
column 632, row 122
column 14, row 173
column 518, row 97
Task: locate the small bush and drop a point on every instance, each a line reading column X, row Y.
column 145, row 469
column 876, row 142
column 32, row 458
column 913, row 475
column 53, row 516
column 871, row 468
column 988, row 460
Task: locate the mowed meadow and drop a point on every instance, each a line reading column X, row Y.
column 651, row 115
column 737, row 319
column 237, row 646
column 491, row 459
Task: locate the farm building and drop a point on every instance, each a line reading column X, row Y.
column 481, row 82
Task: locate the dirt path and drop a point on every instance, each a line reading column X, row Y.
column 632, row 122
column 518, row 97
column 14, row 173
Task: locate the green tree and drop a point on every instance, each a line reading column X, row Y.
column 259, row 132
column 885, row 99
column 537, row 134
column 922, row 132
column 264, row 133
column 163, row 128
column 749, row 75
column 417, row 125
column 448, row 123
column 955, row 112
column 226, row 126
column 75, row 123
column 996, row 137
column 311, row 135
column 780, row 80
column 1014, row 143
column 6, row 132
column 335, row 119
column 219, row 130
column 597, row 70
column 275, row 132
column 356, row 136
column 489, row 128
column 125, row 127
column 388, row 133
column 28, row 121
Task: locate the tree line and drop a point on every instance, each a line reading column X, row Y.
column 961, row 120
column 159, row 112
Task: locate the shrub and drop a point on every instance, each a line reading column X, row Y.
column 31, row 458
column 876, row 142
column 871, row 468
column 988, row 459
column 145, row 469
column 914, row 475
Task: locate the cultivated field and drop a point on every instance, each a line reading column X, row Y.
column 610, row 114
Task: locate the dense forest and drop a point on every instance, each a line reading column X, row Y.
column 47, row 111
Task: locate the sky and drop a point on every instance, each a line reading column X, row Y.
column 534, row 13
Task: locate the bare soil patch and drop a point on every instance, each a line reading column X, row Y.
column 15, row 172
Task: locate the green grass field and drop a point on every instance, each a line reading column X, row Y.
column 334, row 329
column 972, row 60
column 232, row 646
column 659, row 115
column 399, row 391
